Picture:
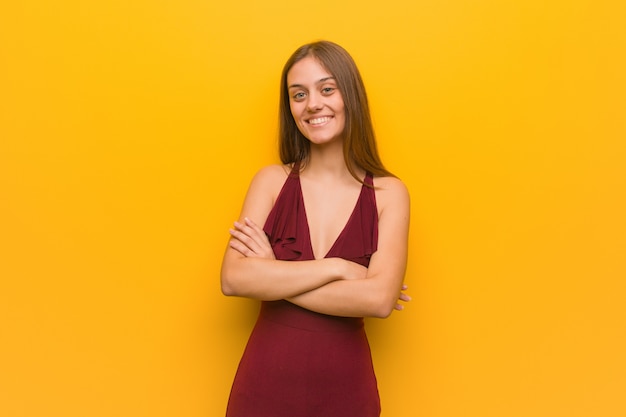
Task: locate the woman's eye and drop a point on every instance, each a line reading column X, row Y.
column 327, row 90
column 298, row 96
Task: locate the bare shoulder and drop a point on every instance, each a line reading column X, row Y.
column 263, row 191
column 269, row 179
column 390, row 188
column 391, row 193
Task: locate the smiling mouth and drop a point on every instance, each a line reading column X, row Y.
column 319, row 120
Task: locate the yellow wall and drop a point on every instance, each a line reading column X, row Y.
column 129, row 131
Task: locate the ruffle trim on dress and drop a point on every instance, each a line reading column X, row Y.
column 289, row 234
column 282, row 225
column 359, row 240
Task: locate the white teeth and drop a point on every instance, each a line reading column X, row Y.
column 319, row 120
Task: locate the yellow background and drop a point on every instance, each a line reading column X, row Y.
column 129, row 131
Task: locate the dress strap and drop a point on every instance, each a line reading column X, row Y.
column 295, row 170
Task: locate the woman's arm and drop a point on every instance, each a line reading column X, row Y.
column 378, row 293
column 360, row 291
column 249, row 268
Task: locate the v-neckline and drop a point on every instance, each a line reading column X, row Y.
column 343, row 230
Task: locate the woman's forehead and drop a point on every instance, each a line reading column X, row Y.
column 308, row 70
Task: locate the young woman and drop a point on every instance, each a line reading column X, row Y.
column 332, row 249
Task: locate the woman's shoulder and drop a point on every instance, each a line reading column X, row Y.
column 272, row 173
column 390, row 184
column 390, row 191
column 270, row 178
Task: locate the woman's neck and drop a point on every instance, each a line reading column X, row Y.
column 327, row 163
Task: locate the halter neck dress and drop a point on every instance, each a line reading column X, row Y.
column 299, row 363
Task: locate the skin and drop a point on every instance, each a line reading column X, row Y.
column 326, row 285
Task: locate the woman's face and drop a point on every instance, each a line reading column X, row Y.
column 315, row 101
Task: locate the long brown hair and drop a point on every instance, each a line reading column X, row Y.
column 359, row 140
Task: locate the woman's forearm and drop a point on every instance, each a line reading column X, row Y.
column 369, row 297
column 269, row 279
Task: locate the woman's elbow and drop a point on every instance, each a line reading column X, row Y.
column 226, row 282
column 227, row 289
column 382, row 308
column 383, row 312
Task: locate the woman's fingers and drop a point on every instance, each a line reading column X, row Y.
column 244, row 238
column 240, row 247
column 253, row 226
column 258, row 234
column 251, row 230
column 402, row 297
column 253, row 238
column 261, row 239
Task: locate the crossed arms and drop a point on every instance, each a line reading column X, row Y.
column 330, row 285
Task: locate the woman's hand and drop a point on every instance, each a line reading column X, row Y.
column 250, row 240
column 402, row 297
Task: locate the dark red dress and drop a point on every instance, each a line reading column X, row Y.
column 299, row 363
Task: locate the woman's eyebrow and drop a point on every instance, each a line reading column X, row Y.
column 320, row 81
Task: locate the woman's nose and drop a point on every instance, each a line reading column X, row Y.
column 314, row 103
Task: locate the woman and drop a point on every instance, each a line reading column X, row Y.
column 332, row 250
